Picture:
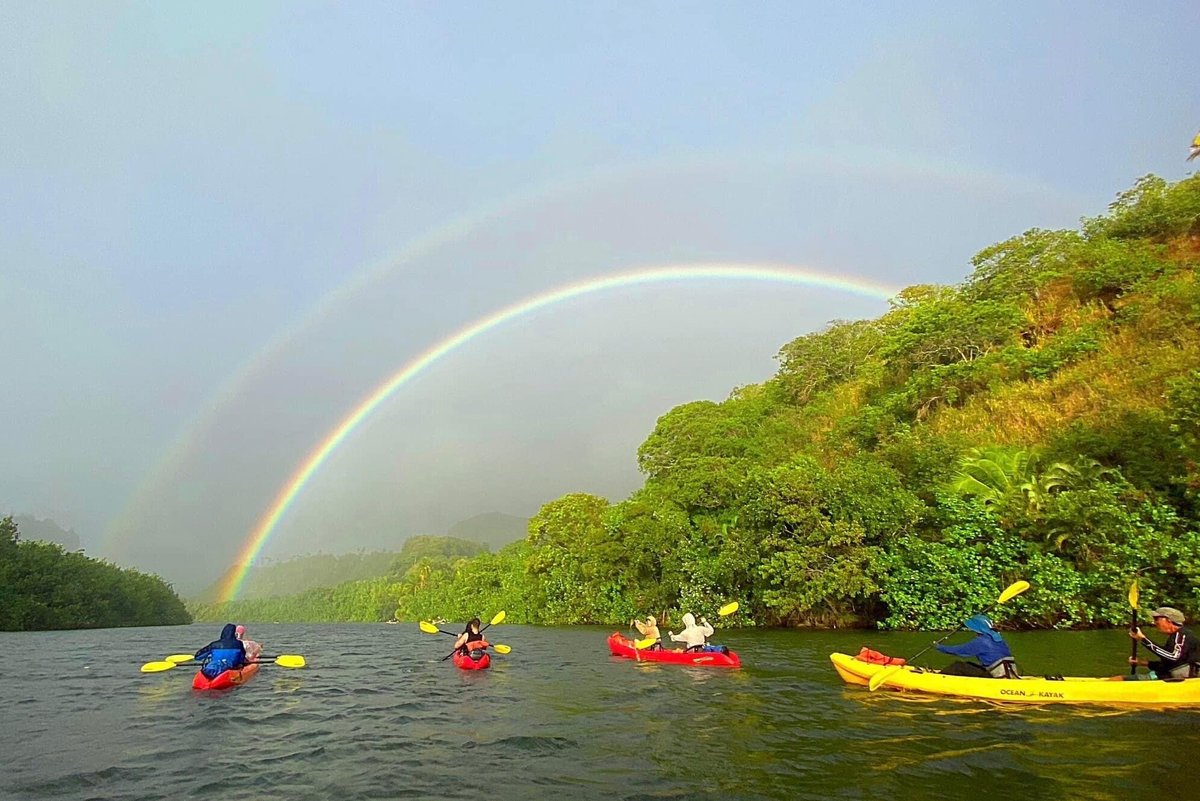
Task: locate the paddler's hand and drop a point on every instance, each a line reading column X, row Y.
column 1137, row 634
column 1133, row 660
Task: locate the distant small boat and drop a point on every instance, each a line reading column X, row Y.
column 393, row 622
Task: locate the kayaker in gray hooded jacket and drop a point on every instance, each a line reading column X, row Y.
column 693, row 636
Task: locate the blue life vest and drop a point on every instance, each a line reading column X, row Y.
column 222, row 659
column 221, row 655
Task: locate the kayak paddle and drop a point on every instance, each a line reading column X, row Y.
column 284, row 660
column 429, row 628
column 1012, row 591
column 495, row 621
column 1133, row 624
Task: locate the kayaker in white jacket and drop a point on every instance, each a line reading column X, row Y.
column 693, row 636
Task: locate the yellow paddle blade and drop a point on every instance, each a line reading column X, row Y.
column 428, row 627
column 290, row 661
column 498, row 619
column 179, row 658
column 881, row 677
column 642, row 644
column 501, row 649
column 157, row 667
column 1133, row 595
column 1014, row 589
column 728, row 609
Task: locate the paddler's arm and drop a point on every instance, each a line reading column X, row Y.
column 1172, row 655
column 966, row 649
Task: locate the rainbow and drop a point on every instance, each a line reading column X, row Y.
column 874, row 162
column 639, row 277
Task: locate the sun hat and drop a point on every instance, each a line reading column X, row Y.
column 1170, row 613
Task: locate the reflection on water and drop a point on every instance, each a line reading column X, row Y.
column 377, row 716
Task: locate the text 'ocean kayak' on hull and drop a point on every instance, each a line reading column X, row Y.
column 1028, row 690
column 622, row 646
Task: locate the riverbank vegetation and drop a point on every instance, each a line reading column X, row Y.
column 1041, row 420
column 44, row 586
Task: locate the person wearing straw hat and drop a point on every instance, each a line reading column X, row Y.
column 1179, row 656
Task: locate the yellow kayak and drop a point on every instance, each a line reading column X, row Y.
column 1069, row 690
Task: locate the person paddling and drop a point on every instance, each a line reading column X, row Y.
column 649, row 631
column 252, row 648
column 693, row 636
column 224, row 654
column 1179, row 656
column 471, row 639
column 995, row 659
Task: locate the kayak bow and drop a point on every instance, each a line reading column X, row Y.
column 466, row 662
column 226, row 680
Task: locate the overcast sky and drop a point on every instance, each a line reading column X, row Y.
column 222, row 225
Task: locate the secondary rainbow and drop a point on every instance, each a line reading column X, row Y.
column 780, row 274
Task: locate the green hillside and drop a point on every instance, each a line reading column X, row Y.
column 43, row 586
column 325, row 588
column 1040, row 420
column 302, row 573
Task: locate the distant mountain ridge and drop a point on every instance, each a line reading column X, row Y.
column 47, row 530
column 493, row 529
column 267, row 579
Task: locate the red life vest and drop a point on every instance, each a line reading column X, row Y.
column 876, row 658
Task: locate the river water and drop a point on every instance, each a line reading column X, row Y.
column 375, row 716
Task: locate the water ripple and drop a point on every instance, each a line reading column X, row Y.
column 376, row 716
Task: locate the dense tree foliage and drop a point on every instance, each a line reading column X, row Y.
column 1040, row 421
column 43, row 586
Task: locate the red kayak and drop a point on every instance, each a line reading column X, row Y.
column 223, row 681
column 622, row 646
column 466, row 662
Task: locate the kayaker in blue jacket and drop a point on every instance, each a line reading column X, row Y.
column 227, row 653
column 995, row 659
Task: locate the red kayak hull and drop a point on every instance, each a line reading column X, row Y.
column 465, row 661
column 223, row 681
column 622, row 646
